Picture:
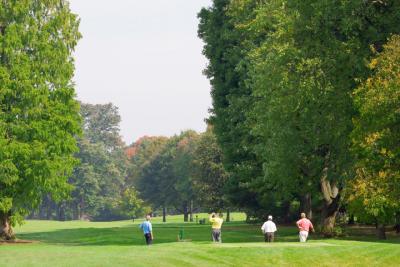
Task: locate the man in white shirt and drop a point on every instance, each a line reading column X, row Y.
column 268, row 229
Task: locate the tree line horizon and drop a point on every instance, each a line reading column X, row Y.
column 304, row 118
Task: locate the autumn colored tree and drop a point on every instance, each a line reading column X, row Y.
column 142, row 152
column 375, row 192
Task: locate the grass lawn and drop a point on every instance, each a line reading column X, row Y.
column 122, row 244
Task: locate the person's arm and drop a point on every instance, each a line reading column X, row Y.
column 211, row 219
column 275, row 229
column 263, row 228
column 312, row 227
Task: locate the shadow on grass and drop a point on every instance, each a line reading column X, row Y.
column 168, row 233
column 163, row 233
column 368, row 234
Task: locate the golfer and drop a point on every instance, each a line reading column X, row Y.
column 147, row 230
column 216, row 223
column 269, row 229
column 304, row 226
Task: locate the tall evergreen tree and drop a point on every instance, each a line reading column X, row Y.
column 227, row 70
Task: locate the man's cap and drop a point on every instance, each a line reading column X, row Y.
column 270, row 217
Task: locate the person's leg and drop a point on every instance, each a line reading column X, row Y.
column 217, row 235
column 303, row 236
column 148, row 239
column 271, row 237
column 265, row 237
column 213, row 235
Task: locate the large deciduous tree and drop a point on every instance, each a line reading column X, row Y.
column 304, row 73
column 39, row 117
column 209, row 174
column 100, row 179
column 375, row 192
column 282, row 73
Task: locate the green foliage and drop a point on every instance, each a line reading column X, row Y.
column 209, row 175
column 101, row 125
column 100, row 179
column 39, row 117
column 166, row 179
column 131, row 205
column 376, row 188
column 141, row 153
column 282, row 76
column 100, row 188
column 226, row 50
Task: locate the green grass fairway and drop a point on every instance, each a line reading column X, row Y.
column 122, row 244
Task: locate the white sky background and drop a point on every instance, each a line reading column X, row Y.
column 144, row 57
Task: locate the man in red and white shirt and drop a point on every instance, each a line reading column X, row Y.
column 304, row 226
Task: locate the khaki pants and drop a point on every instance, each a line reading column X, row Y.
column 303, row 236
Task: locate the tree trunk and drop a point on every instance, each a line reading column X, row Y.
column 351, row 220
column 306, row 206
column 81, row 207
column 380, row 231
column 191, row 211
column 228, row 215
column 397, row 228
column 6, row 231
column 328, row 216
column 397, row 225
column 331, row 195
column 49, row 210
column 61, row 211
column 185, row 212
column 164, row 214
column 75, row 211
column 42, row 212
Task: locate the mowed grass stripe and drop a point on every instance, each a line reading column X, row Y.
column 122, row 244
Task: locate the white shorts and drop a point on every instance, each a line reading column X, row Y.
column 303, row 236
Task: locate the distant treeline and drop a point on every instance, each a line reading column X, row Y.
column 181, row 174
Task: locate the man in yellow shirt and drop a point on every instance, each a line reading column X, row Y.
column 216, row 223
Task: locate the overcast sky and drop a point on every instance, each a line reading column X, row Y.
column 144, row 57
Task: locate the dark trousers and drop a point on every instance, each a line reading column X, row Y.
column 269, row 237
column 149, row 241
column 216, row 235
